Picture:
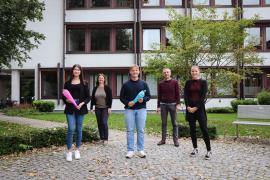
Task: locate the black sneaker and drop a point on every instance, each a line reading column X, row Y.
column 161, row 142
column 176, row 143
column 208, row 155
column 194, row 152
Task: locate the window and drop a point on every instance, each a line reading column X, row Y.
column 151, row 3
column 223, row 2
column 124, row 3
column 101, row 3
column 267, row 38
column 100, row 39
column 76, row 40
column 152, row 84
column 124, row 39
column 75, row 3
column 168, row 38
column 173, row 2
column 48, row 84
column 267, row 2
column 254, row 37
column 253, row 85
column 121, row 79
column 251, row 2
column 201, row 2
column 151, row 37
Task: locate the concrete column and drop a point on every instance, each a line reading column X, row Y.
column 36, row 84
column 15, row 86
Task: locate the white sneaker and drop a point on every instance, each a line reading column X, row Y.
column 130, row 154
column 194, row 152
column 69, row 156
column 77, row 154
column 141, row 154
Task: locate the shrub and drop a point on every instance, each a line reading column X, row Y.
column 38, row 138
column 20, row 110
column 44, row 106
column 220, row 110
column 264, row 98
column 237, row 102
column 183, row 131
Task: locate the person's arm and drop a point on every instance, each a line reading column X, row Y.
column 158, row 96
column 93, row 100
column 123, row 95
column 203, row 93
column 63, row 97
column 147, row 95
column 177, row 93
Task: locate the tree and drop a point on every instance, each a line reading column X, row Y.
column 16, row 41
column 201, row 40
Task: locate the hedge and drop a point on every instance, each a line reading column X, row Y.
column 237, row 102
column 44, row 106
column 183, row 131
column 220, row 110
column 264, row 98
column 39, row 138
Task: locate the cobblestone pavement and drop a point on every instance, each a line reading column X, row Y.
column 31, row 122
column 231, row 160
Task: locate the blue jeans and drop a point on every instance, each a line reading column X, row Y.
column 136, row 118
column 74, row 120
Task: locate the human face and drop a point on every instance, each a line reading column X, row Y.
column 101, row 80
column 134, row 73
column 167, row 74
column 76, row 72
column 195, row 72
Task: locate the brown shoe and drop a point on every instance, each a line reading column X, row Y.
column 161, row 142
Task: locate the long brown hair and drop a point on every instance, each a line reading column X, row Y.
column 81, row 74
column 100, row 74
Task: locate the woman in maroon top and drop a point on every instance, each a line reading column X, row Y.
column 195, row 96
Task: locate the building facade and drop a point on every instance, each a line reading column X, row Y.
column 108, row 36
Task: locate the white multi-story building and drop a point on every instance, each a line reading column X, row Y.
column 107, row 36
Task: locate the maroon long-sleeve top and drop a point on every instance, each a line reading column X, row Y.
column 168, row 92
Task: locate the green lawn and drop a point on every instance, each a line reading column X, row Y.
column 223, row 122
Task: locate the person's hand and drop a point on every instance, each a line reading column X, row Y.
column 131, row 103
column 80, row 105
column 140, row 100
column 109, row 111
column 178, row 107
column 158, row 110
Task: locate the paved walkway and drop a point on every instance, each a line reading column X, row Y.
column 231, row 160
column 31, row 122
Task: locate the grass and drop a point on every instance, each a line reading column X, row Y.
column 11, row 129
column 223, row 123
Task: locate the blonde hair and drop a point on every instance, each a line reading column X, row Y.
column 134, row 66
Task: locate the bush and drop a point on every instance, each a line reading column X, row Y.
column 220, row 110
column 20, row 110
column 38, row 138
column 264, row 98
column 237, row 102
column 44, row 106
column 183, row 131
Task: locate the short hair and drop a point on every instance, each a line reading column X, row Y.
column 166, row 68
column 196, row 66
column 134, row 66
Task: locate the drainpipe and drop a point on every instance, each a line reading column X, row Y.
column 64, row 47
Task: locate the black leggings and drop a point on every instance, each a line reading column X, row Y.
column 201, row 117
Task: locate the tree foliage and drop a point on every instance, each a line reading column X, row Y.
column 16, row 40
column 219, row 46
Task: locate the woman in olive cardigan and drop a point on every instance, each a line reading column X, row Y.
column 102, row 100
column 195, row 92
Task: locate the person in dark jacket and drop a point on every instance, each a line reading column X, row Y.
column 135, row 112
column 79, row 90
column 195, row 92
column 102, row 100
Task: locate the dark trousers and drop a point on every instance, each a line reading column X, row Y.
column 201, row 117
column 165, row 109
column 102, row 120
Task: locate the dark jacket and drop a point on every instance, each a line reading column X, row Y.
column 84, row 97
column 108, row 93
column 129, row 91
column 200, row 104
